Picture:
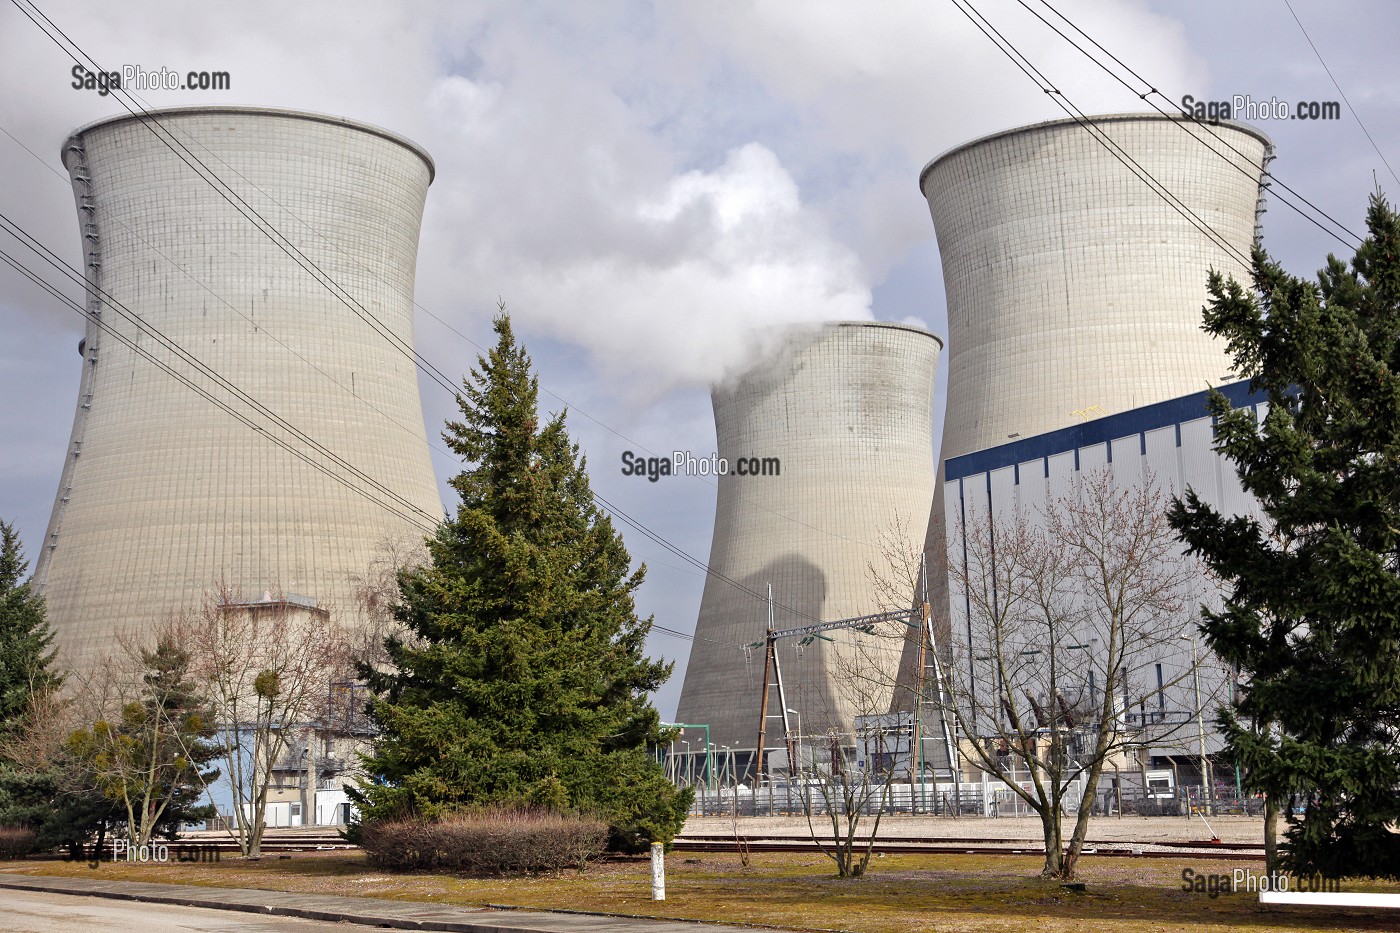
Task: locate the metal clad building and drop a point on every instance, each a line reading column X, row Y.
column 1075, row 287
column 1171, row 443
column 163, row 494
column 846, row 409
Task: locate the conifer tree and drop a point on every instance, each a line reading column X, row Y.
column 30, row 785
column 1312, row 614
column 26, row 655
column 523, row 679
column 152, row 761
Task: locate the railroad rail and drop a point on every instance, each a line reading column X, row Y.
column 307, row 841
column 979, row 846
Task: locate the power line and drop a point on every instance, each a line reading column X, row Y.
column 149, row 120
column 1180, row 119
column 1340, row 91
column 1120, row 154
column 259, row 327
column 200, row 390
column 234, row 199
column 31, row 243
column 184, row 379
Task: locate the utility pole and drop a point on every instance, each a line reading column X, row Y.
column 1206, row 777
column 772, row 667
column 308, row 800
column 928, row 649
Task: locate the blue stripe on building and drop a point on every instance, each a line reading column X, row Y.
column 1099, row 431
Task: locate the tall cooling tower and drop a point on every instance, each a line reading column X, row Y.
column 164, row 495
column 846, row 410
column 1074, row 289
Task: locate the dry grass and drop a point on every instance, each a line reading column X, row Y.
column 902, row 893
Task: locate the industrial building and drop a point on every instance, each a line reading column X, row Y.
column 1075, row 256
column 846, row 410
column 1169, row 445
column 267, row 258
column 1074, row 262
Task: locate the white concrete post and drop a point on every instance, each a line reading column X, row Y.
column 658, row 872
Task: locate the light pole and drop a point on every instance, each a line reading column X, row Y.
column 689, row 764
column 708, row 767
column 1200, row 725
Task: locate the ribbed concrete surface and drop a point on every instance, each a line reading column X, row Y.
column 847, row 410
column 1070, row 283
column 162, row 493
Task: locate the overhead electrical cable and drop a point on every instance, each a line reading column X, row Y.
column 399, row 503
column 137, row 108
column 1340, row 91
column 185, row 380
column 1097, row 133
column 1181, row 119
column 232, row 197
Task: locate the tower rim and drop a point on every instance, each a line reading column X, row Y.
column 892, row 325
column 1122, row 117
column 308, row 115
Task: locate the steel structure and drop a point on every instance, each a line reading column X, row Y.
column 267, row 257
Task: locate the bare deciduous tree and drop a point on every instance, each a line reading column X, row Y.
column 149, row 757
column 863, row 663
column 376, row 594
column 1067, row 617
column 846, row 792
column 265, row 666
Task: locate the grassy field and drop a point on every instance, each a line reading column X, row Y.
column 901, row 893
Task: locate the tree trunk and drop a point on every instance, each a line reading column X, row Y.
column 1270, row 836
column 1081, row 822
column 1051, row 821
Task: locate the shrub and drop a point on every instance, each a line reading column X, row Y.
column 487, row 841
column 16, row 841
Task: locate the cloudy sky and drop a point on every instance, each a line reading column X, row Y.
column 649, row 186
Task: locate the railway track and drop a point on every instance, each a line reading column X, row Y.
column 968, row 846
column 275, row 844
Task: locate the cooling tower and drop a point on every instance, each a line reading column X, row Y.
column 846, row 412
column 165, row 494
column 1074, row 289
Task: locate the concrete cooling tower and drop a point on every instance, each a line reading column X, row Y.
column 846, row 412
column 164, row 494
column 1074, row 289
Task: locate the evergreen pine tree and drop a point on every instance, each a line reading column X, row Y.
column 31, row 786
column 524, row 679
column 1312, row 615
column 26, row 655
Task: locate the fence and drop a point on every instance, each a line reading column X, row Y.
column 990, row 799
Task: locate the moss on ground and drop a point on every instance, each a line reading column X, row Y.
column 981, row 893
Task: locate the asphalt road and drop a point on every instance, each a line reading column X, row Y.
column 37, row 912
